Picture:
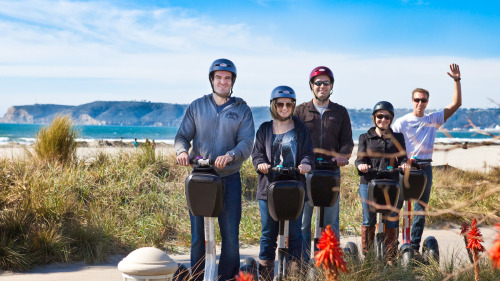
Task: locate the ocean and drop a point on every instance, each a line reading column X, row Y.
column 25, row 134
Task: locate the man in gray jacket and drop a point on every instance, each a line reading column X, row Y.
column 221, row 128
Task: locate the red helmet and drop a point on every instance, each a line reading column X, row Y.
column 321, row 70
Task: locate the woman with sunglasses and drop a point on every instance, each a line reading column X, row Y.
column 379, row 148
column 284, row 141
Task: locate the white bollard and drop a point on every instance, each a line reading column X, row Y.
column 147, row 264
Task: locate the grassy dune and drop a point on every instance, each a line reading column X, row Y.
column 88, row 209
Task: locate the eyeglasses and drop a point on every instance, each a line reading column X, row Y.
column 420, row 100
column 383, row 116
column 284, row 104
column 318, row 83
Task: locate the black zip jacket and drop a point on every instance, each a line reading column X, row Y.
column 371, row 148
column 261, row 152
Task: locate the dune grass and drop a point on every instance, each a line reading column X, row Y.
column 88, row 209
column 57, row 142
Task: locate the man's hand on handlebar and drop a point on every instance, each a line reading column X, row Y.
column 304, row 168
column 222, row 161
column 363, row 168
column 183, row 159
column 264, row 168
column 341, row 161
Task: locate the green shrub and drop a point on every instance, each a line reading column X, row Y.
column 57, row 142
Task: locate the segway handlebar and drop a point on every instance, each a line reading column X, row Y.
column 389, row 170
column 281, row 169
column 200, row 161
column 420, row 163
column 326, row 164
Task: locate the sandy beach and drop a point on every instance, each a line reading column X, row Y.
column 479, row 157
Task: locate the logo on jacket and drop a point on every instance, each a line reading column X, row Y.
column 232, row 115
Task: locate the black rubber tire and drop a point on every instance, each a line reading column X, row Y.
column 312, row 271
column 430, row 250
column 406, row 251
column 250, row 266
column 351, row 251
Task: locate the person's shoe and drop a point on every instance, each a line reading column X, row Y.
column 418, row 257
column 266, row 270
column 295, row 268
column 391, row 243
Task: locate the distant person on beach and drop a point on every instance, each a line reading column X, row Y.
column 379, row 139
column 331, row 134
column 147, row 143
column 135, row 143
column 221, row 128
column 284, row 141
column 419, row 130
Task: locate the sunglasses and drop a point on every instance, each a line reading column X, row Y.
column 383, row 116
column 420, row 100
column 318, row 83
column 284, row 104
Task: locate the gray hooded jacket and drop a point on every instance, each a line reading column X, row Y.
column 214, row 134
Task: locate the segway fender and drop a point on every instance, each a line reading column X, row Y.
column 430, row 250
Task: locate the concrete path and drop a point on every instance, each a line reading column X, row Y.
column 450, row 244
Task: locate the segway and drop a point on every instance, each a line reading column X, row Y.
column 204, row 195
column 285, row 200
column 323, row 188
column 383, row 195
column 413, row 187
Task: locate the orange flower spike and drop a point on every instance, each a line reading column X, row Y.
column 474, row 238
column 330, row 255
column 244, row 276
column 494, row 252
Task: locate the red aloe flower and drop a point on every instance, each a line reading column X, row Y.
column 474, row 238
column 330, row 254
column 475, row 246
column 244, row 276
column 494, row 252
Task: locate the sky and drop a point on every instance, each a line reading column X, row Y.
column 76, row 52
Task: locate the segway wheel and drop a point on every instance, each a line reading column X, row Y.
column 351, row 251
column 250, row 266
column 380, row 246
column 430, row 250
column 181, row 274
column 312, row 271
column 406, row 255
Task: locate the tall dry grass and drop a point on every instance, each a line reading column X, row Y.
column 107, row 204
column 57, row 142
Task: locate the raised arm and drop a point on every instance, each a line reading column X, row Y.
column 457, row 94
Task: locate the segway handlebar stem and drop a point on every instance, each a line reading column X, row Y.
column 201, row 161
column 326, row 164
column 280, row 169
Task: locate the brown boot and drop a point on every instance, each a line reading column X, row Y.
column 266, row 270
column 391, row 244
column 367, row 238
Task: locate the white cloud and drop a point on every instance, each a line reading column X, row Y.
column 111, row 52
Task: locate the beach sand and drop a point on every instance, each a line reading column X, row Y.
column 479, row 157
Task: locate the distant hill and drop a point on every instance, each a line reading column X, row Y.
column 135, row 113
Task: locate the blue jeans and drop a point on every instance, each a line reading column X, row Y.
column 369, row 218
column 331, row 218
column 229, row 222
column 418, row 225
column 270, row 232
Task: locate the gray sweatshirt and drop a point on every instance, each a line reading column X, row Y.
column 214, row 134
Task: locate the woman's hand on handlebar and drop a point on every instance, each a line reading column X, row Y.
column 406, row 167
column 264, row 168
column 183, row 159
column 363, row 168
column 304, row 168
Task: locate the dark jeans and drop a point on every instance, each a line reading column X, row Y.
column 229, row 223
column 270, row 232
column 418, row 225
column 369, row 218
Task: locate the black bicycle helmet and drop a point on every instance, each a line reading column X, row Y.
column 383, row 105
